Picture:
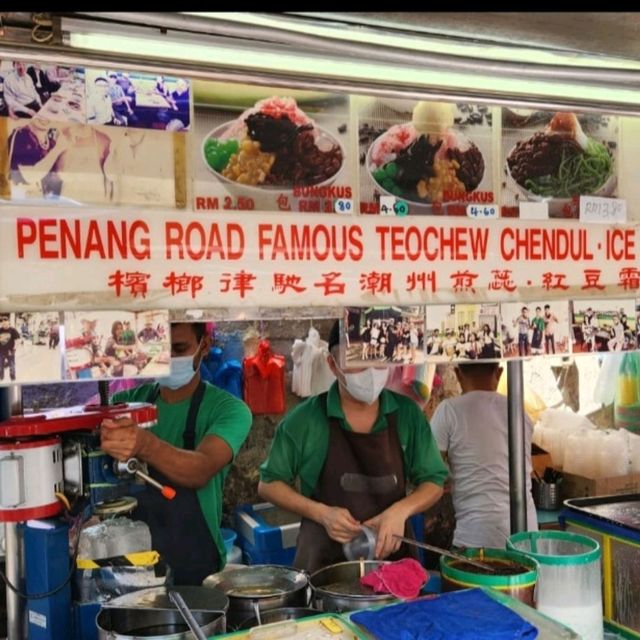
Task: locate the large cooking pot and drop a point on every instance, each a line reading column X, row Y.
column 150, row 615
column 260, row 587
column 337, row 588
column 279, row 615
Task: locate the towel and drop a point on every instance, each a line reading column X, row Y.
column 460, row 615
column 403, row 579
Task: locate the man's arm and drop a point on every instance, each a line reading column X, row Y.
column 340, row 525
column 392, row 520
column 123, row 439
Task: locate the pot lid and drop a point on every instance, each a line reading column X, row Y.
column 196, row 598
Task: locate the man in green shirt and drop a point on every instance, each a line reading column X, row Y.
column 200, row 429
column 354, row 450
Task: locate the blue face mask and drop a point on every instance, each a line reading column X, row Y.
column 182, row 372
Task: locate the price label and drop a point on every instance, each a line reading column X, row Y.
column 482, row 211
column 387, row 206
column 401, row 208
column 534, row 211
column 342, row 205
column 602, row 210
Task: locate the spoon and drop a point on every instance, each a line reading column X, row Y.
column 450, row 554
column 192, row 623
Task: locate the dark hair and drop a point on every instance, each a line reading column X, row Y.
column 3, row 318
column 113, row 75
column 100, row 79
column 547, row 306
column 538, row 309
column 199, row 328
column 478, row 369
column 334, row 335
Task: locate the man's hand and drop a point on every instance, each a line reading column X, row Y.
column 388, row 523
column 123, row 438
column 340, row 525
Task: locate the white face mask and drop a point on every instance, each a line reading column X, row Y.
column 365, row 386
column 182, row 371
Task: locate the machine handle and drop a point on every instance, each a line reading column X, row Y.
column 168, row 492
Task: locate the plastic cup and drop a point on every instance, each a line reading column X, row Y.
column 363, row 546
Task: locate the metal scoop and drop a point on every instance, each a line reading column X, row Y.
column 192, row 623
column 450, row 554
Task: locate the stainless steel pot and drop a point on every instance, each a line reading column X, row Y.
column 150, row 615
column 134, row 624
column 279, row 615
column 337, row 587
column 261, row 587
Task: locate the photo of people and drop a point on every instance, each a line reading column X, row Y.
column 30, row 347
column 116, row 344
column 535, row 328
column 463, row 332
column 51, row 91
column 603, row 325
column 132, row 99
column 52, row 162
column 392, row 335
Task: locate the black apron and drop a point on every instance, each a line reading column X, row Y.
column 179, row 531
column 364, row 473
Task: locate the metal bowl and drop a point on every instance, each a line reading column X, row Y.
column 149, row 613
column 337, row 588
column 279, row 615
column 260, row 588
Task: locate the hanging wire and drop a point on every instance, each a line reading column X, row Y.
column 42, row 31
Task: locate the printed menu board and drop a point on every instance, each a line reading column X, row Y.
column 430, row 157
column 268, row 150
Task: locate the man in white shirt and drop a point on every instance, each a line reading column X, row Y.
column 617, row 335
column 99, row 106
column 471, row 430
column 20, row 92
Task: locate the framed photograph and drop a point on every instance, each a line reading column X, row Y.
column 53, row 92
column 463, row 332
column 424, row 157
column 603, row 325
column 535, row 328
column 389, row 335
column 556, row 157
column 116, row 344
column 133, row 99
column 30, row 347
column 62, row 163
column 260, row 149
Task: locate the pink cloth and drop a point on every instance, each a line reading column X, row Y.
column 403, row 579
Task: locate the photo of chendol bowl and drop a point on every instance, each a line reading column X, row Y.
column 273, row 147
column 427, row 160
column 559, row 163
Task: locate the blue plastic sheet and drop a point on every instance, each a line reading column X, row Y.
column 460, row 615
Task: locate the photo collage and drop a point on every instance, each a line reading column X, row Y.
column 388, row 335
column 106, row 137
column 53, row 346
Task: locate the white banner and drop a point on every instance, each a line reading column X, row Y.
column 126, row 259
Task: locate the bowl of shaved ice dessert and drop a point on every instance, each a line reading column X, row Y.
column 559, row 163
column 273, row 146
column 427, row 160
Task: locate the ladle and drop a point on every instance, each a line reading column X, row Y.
column 445, row 552
column 192, row 623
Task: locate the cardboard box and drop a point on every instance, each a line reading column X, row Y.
column 574, row 486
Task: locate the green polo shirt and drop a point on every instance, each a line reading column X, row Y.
column 299, row 448
column 221, row 414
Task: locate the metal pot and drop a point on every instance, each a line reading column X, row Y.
column 279, row 615
column 150, row 615
column 260, row 588
column 134, row 624
column 337, row 588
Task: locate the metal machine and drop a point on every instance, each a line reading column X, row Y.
column 53, row 475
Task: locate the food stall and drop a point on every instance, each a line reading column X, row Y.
column 235, row 168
